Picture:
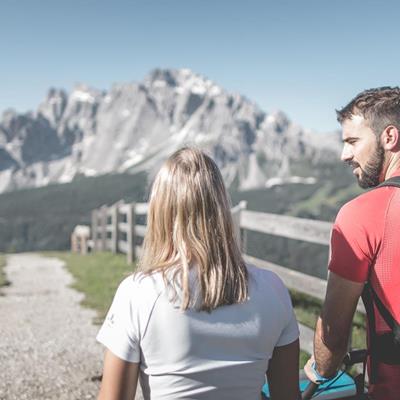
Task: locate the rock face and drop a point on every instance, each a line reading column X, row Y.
column 135, row 126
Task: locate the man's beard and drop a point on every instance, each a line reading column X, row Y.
column 369, row 176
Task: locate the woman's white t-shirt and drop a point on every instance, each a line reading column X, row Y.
column 195, row 354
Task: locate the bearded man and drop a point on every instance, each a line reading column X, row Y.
column 365, row 247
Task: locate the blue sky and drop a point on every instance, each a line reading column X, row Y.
column 303, row 57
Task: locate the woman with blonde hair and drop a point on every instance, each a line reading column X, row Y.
column 196, row 322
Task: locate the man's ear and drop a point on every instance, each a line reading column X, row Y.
column 391, row 138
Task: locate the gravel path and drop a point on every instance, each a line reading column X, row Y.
column 47, row 340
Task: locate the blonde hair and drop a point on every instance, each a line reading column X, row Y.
column 189, row 223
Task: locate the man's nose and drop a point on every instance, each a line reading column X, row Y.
column 347, row 154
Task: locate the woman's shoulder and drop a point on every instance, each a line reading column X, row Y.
column 268, row 284
column 140, row 285
column 264, row 275
column 266, row 287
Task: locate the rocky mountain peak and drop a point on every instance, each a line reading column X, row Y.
column 135, row 126
column 83, row 93
column 53, row 107
column 161, row 78
column 182, row 80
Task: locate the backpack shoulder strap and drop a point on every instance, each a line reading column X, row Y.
column 371, row 298
column 372, row 350
column 386, row 315
column 395, row 181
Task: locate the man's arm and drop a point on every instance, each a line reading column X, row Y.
column 119, row 378
column 334, row 324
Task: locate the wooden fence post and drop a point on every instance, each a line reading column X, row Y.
column 83, row 244
column 243, row 232
column 114, row 223
column 95, row 223
column 74, row 243
column 130, row 219
column 103, row 217
column 240, row 233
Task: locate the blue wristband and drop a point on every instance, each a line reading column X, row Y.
column 321, row 379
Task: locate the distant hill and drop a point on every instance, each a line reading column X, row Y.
column 43, row 218
column 321, row 201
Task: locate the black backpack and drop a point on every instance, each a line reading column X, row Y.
column 383, row 348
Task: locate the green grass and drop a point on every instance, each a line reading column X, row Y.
column 307, row 310
column 304, row 356
column 96, row 275
column 312, row 205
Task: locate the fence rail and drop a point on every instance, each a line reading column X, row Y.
column 114, row 228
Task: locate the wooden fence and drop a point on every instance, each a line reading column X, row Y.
column 114, row 229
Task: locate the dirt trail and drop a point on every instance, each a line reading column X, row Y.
column 47, row 340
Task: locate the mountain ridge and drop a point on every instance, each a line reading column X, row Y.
column 134, row 126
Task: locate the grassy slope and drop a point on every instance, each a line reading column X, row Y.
column 324, row 199
column 321, row 200
column 307, row 310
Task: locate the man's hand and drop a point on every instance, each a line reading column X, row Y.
column 309, row 371
column 314, row 375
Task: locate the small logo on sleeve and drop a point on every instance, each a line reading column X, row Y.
column 110, row 319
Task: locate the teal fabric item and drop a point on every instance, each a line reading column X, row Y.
column 343, row 387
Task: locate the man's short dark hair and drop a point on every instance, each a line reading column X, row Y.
column 379, row 106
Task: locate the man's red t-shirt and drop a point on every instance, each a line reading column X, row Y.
column 365, row 242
